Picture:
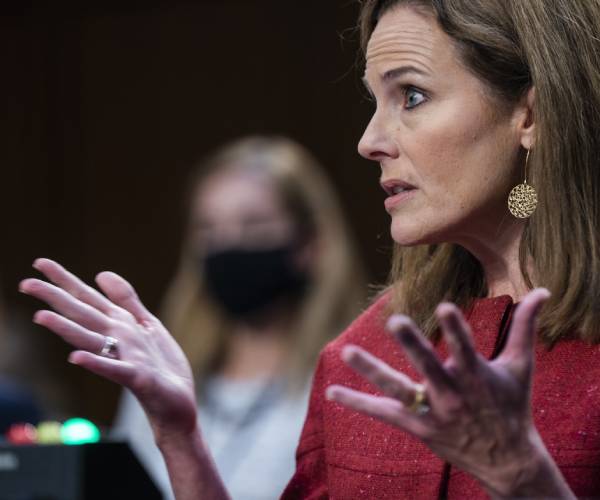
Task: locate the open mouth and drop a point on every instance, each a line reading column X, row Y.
column 396, row 187
column 398, row 192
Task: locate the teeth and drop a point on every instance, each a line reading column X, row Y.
column 398, row 190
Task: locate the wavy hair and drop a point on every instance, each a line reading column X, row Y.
column 512, row 46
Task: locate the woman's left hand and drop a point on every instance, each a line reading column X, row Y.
column 475, row 413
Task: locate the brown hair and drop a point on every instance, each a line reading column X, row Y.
column 512, row 46
column 337, row 287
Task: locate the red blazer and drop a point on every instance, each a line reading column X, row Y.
column 345, row 455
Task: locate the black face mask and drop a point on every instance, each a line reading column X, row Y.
column 246, row 282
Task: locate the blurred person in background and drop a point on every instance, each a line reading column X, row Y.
column 268, row 274
column 17, row 403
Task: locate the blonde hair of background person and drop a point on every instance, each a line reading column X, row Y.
column 337, row 282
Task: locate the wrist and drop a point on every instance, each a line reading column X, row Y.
column 166, row 437
column 530, row 473
column 192, row 471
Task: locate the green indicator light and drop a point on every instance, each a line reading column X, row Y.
column 79, row 431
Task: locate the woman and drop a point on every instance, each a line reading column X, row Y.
column 267, row 274
column 473, row 99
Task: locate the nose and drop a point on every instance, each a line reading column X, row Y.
column 377, row 143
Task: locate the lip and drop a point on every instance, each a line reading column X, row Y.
column 393, row 200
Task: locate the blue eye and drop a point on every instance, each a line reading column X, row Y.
column 413, row 97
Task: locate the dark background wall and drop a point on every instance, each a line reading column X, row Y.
column 106, row 108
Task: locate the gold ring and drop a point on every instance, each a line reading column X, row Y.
column 419, row 404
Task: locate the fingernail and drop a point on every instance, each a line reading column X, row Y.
column 330, row 393
column 395, row 323
column 347, row 353
column 71, row 359
column 445, row 309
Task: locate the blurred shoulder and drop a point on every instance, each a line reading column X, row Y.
column 17, row 404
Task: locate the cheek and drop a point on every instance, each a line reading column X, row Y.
column 459, row 159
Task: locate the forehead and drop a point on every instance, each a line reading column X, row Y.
column 409, row 36
column 233, row 190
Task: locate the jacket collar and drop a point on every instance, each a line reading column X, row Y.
column 489, row 319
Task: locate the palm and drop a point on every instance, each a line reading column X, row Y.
column 150, row 363
column 486, row 414
column 163, row 381
column 478, row 414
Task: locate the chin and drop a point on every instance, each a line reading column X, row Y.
column 407, row 238
column 408, row 233
column 432, row 225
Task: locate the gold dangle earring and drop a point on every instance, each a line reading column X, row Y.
column 522, row 200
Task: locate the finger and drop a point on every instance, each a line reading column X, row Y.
column 124, row 295
column 69, row 331
column 420, row 353
column 67, row 305
column 391, row 382
column 115, row 370
column 73, row 285
column 458, row 336
column 521, row 340
column 386, row 409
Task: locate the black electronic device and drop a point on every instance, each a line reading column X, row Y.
column 98, row 471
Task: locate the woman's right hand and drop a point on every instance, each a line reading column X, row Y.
column 148, row 362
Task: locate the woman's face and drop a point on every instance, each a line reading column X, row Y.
column 449, row 152
column 237, row 208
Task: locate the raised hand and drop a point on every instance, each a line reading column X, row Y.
column 472, row 412
column 145, row 359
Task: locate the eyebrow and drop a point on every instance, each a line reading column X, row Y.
column 392, row 74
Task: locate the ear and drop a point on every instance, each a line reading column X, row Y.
column 526, row 121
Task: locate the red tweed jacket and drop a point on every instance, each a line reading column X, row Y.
column 345, row 455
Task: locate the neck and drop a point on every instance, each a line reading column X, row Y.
column 256, row 350
column 498, row 254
